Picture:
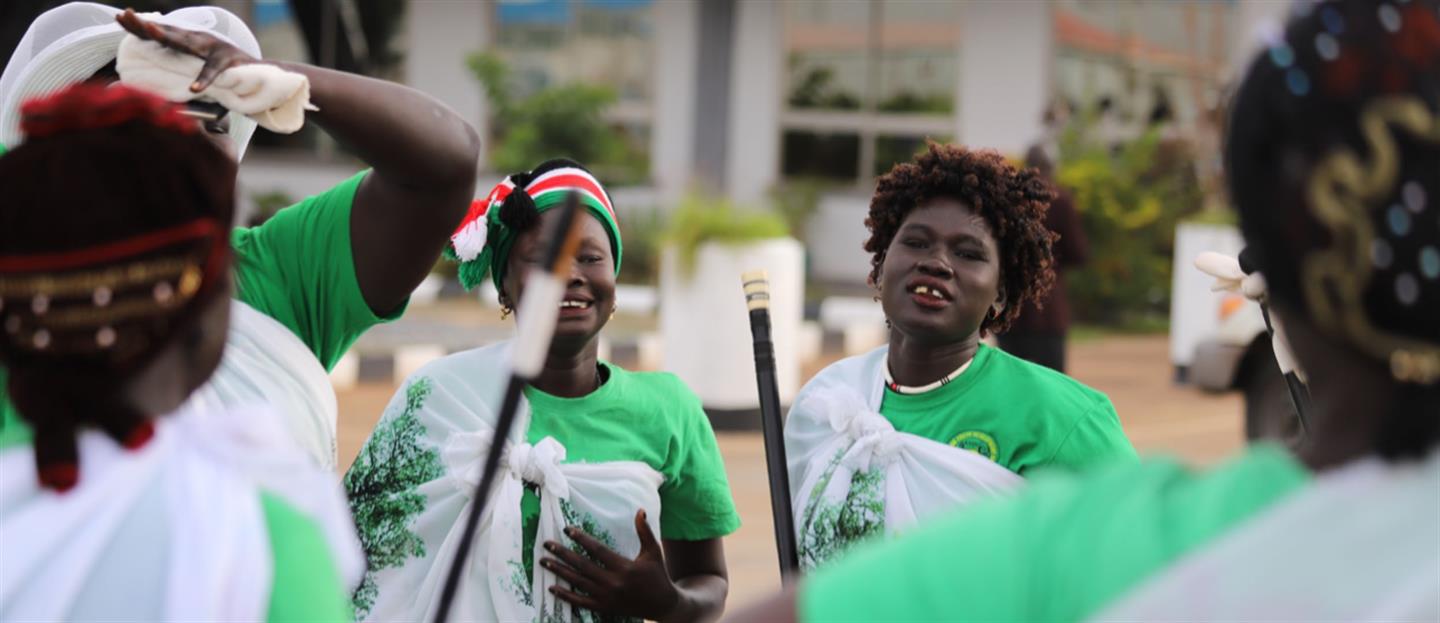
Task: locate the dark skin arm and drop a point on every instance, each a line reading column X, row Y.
column 691, row 587
column 780, row 608
column 423, row 155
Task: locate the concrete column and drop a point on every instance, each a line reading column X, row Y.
column 758, row 61
column 672, row 130
column 1001, row 95
column 712, row 86
column 441, row 35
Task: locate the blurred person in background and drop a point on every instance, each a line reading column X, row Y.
column 116, row 501
column 936, row 418
column 320, row 273
column 1333, row 160
column 602, row 459
column 1038, row 335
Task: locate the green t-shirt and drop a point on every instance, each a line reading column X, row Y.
column 1020, row 415
column 1061, row 551
column 297, row 268
column 651, row 417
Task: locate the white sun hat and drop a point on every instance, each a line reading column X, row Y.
column 69, row 43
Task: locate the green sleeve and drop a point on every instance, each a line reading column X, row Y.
column 298, row 268
column 1060, row 551
column 307, row 586
column 695, row 499
column 1096, row 438
column 13, row 430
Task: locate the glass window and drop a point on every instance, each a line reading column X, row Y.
column 820, row 155
column 605, row 42
column 865, row 80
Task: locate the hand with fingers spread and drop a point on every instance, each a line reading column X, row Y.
column 608, row 583
column 217, row 54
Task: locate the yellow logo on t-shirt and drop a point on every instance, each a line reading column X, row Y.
column 977, row 442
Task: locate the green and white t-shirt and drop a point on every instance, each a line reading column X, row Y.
column 1061, row 551
column 130, row 576
column 1018, row 414
column 640, row 441
column 641, row 416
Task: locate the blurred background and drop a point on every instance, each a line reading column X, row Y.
column 739, row 134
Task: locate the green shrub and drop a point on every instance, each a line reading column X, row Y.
column 560, row 121
column 699, row 220
column 1130, row 198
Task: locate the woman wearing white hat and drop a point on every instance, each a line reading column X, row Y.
column 313, row 278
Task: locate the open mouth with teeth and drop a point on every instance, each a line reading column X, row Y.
column 575, row 309
column 927, row 296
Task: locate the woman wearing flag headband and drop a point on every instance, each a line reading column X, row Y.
column 120, row 501
column 602, row 459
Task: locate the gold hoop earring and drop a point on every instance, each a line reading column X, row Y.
column 505, row 311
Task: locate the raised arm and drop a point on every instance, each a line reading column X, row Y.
column 423, row 155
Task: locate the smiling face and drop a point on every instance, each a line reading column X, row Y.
column 941, row 273
column 590, row 289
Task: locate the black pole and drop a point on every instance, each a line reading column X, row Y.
column 558, row 253
column 1299, row 394
column 757, row 298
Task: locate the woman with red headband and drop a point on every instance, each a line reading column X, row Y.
column 602, row 459
column 117, row 503
column 317, row 275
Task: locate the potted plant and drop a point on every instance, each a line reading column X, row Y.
column 703, row 319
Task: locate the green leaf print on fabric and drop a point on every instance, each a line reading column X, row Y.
column 382, row 487
column 830, row 528
column 587, row 523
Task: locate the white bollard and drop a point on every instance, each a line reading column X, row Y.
column 863, row 337
column 409, row 359
column 810, row 341
column 346, row 373
column 651, row 351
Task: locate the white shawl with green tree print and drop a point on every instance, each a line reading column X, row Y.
column 412, row 486
column 853, row 476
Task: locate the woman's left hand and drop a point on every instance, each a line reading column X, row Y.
column 609, row 583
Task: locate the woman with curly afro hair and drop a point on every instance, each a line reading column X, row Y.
column 936, row 418
column 1332, row 158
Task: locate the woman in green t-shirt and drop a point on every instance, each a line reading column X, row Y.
column 937, row 418
column 1333, row 161
column 117, row 502
column 603, row 459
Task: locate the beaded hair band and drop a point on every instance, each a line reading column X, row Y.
column 87, row 300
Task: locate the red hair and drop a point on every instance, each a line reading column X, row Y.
column 91, row 105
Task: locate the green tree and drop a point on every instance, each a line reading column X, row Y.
column 559, row 121
column 830, row 529
column 382, row 487
column 1130, row 198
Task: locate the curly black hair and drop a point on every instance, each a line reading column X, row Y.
column 1012, row 201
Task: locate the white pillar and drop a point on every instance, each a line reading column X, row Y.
column 1006, row 53
column 441, row 36
column 756, row 72
column 672, row 132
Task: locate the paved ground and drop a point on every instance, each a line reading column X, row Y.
column 1134, row 371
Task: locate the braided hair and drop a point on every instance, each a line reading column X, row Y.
column 113, row 238
column 1333, row 160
